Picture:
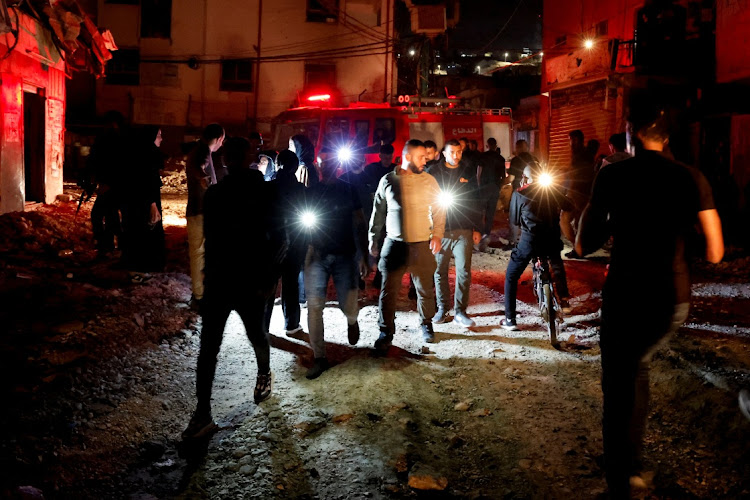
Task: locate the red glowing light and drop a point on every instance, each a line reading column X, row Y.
column 320, row 97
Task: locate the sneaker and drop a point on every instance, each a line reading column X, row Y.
column 565, row 306
column 316, row 370
column 509, row 324
column 744, row 400
column 573, row 255
column 440, row 317
column 199, row 426
column 263, row 387
column 353, row 333
column 383, row 342
column 294, row 331
column 428, row 335
column 462, row 319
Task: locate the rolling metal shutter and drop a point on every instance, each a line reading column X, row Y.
column 583, row 107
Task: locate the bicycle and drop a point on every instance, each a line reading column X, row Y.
column 544, row 290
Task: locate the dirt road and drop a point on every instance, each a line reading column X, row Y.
column 101, row 380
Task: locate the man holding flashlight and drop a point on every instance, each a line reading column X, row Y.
column 333, row 215
column 460, row 200
column 407, row 211
column 535, row 207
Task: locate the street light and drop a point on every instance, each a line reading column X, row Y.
column 541, row 54
column 412, row 52
column 478, row 69
column 506, row 57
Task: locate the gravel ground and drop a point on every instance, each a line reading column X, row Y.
column 100, row 379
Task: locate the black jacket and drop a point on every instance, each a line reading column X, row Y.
column 243, row 234
column 465, row 212
column 536, row 209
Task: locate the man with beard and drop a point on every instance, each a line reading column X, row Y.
column 459, row 198
column 406, row 208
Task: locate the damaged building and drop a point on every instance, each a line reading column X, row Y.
column 42, row 43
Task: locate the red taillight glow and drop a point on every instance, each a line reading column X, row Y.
column 320, row 97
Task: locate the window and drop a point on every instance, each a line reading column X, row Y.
column 362, row 133
column 320, row 76
column 385, row 131
column 322, row 11
column 285, row 131
column 602, row 29
column 156, row 18
column 124, row 68
column 237, row 75
column 336, row 133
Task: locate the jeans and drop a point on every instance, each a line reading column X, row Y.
column 460, row 245
column 197, row 252
column 396, row 258
column 625, row 373
column 290, row 270
column 520, row 257
column 490, row 196
column 216, row 309
column 319, row 268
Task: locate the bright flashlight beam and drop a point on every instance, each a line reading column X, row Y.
column 309, row 219
column 446, row 199
column 345, row 153
column 589, row 44
column 545, row 180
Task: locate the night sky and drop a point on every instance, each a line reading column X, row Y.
column 482, row 20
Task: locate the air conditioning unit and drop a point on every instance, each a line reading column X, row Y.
column 428, row 19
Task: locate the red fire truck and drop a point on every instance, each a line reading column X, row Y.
column 365, row 127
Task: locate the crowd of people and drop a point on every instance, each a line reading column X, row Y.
column 298, row 220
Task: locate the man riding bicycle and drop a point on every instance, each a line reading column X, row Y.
column 535, row 207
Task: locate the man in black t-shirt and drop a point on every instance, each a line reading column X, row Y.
column 647, row 291
column 333, row 215
column 491, row 177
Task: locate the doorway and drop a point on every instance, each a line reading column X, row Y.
column 34, row 123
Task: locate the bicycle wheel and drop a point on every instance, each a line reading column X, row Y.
column 549, row 317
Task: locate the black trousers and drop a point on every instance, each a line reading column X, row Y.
column 489, row 207
column 396, row 259
column 216, row 309
column 520, row 258
column 105, row 220
column 290, row 294
column 626, row 355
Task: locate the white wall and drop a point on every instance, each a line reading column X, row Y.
column 192, row 97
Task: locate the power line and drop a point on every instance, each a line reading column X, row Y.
column 503, row 28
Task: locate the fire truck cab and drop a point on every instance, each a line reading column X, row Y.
column 364, row 127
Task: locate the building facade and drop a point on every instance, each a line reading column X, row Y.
column 595, row 52
column 32, row 115
column 240, row 62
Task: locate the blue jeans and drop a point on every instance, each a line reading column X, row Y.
column 319, row 269
column 459, row 245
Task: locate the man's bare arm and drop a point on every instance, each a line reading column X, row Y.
column 711, row 226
